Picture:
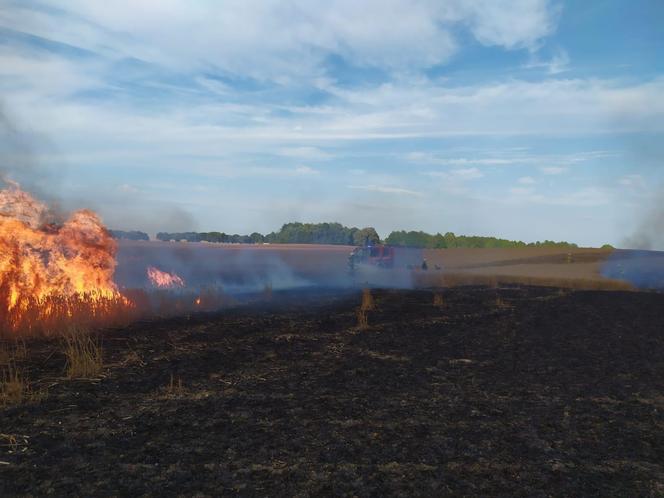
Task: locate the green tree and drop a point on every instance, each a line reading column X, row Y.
column 365, row 236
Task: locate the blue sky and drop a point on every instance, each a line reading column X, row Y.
column 525, row 119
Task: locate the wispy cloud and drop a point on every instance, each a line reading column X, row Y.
column 432, row 158
column 311, row 153
column 457, row 174
column 585, row 197
column 553, row 170
column 558, row 63
column 306, row 170
column 633, row 181
column 383, row 189
column 233, row 35
column 514, row 157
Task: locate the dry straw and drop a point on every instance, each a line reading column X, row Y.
column 362, row 319
column 13, row 386
column 174, row 388
column 84, row 355
column 368, row 303
column 500, row 302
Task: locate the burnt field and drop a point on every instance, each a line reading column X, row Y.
column 517, row 391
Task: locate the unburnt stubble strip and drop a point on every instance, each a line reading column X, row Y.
column 13, row 386
column 84, row 355
column 368, row 303
column 174, row 388
column 362, row 319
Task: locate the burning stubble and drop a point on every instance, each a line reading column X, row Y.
column 164, row 280
column 52, row 273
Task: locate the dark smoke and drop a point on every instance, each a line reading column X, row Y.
column 19, row 149
column 149, row 217
column 234, row 268
column 648, row 153
column 18, row 163
column 643, row 265
column 649, row 233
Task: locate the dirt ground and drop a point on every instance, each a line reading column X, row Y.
column 517, row 391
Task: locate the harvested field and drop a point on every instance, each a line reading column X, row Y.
column 516, row 391
column 251, row 267
column 570, row 268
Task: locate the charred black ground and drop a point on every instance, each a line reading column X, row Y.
column 509, row 392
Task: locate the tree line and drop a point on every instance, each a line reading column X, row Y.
column 216, row 237
column 336, row 233
column 130, row 235
column 449, row 240
column 290, row 233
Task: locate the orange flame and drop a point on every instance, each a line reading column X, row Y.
column 53, row 274
column 164, row 279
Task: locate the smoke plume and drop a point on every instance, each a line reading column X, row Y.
column 649, row 233
column 19, row 150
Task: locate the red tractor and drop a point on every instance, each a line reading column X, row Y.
column 389, row 257
column 380, row 256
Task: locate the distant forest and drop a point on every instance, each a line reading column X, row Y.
column 290, row 233
column 450, row 240
column 336, row 233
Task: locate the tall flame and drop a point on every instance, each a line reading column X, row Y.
column 48, row 272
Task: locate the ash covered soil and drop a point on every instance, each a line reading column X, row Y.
column 509, row 392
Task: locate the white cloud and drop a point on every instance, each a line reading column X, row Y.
column 519, row 23
column 526, row 180
column 39, row 89
column 387, row 190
